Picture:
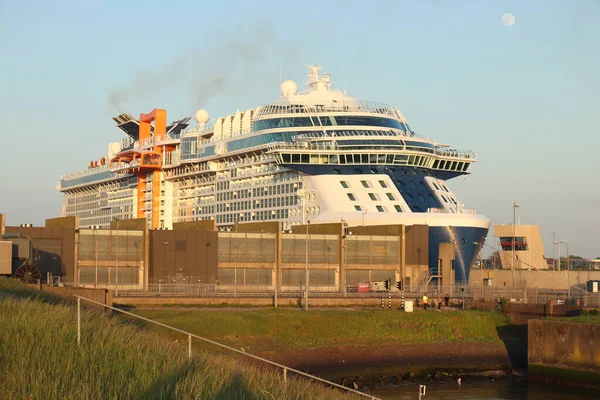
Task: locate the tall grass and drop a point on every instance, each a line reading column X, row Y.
column 269, row 329
column 39, row 359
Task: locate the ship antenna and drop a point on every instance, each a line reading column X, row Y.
column 346, row 90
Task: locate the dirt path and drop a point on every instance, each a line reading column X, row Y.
column 338, row 362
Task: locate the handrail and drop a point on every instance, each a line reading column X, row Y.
column 190, row 335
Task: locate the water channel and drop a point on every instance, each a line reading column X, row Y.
column 498, row 389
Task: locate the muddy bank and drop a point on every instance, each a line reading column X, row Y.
column 382, row 365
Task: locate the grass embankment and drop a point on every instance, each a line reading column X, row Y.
column 39, row 359
column 586, row 317
column 266, row 330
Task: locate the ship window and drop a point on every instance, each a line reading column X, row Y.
column 444, row 198
column 436, row 186
column 365, row 184
column 351, row 196
column 383, row 184
column 380, row 208
column 358, row 208
column 398, row 208
column 344, row 184
column 390, row 196
column 373, row 196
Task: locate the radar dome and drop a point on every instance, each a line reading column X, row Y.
column 289, row 88
column 201, row 117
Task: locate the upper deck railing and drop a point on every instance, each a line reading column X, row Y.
column 457, row 210
column 89, row 171
column 457, row 153
column 333, row 106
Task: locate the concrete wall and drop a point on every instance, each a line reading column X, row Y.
column 205, row 225
column 2, row 224
column 253, row 301
column 103, row 296
column 540, row 279
column 6, row 258
column 564, row 345
column 63, row 222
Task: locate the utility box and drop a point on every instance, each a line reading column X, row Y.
column 408, row 306
column 6, row 258
column 362, row 287
column 378, row 286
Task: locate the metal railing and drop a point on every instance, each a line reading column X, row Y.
column 191, row 335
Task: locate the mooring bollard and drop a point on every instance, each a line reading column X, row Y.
column 422, row 389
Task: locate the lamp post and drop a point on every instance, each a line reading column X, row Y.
column 96, row 255
column 304, row 196
column 568, row 265
column 306, row 265
column 165, row 244
column 235, row 255
column 117, row 261
column 553, row 259
column 514, row 239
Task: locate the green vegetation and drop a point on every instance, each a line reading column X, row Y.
column 265, row 330
column 117, row 359
column 587, row 317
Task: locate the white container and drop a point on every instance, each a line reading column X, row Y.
column 408, row 306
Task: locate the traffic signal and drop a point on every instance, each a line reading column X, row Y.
column 387, row 284
column 399, row 285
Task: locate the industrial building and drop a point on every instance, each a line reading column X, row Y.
column 261, row 255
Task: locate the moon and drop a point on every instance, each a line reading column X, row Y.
column 508, row 19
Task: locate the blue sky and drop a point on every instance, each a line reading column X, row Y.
column 525, row 98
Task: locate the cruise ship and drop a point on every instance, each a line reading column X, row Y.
column 316, row 156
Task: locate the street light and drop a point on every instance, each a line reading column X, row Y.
column 96, row 255
column 568, row 265
column 553, row 258
column 235, row 254
column 304, row 196
column 117, row 260
column 514, row 239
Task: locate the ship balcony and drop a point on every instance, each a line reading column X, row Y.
column 126, row 167
column 457, row 210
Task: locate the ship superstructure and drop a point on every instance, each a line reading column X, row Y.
column 315, row 156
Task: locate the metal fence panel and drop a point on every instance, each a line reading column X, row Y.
column 110, row 245
column 322, row 249
column 108, row 275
